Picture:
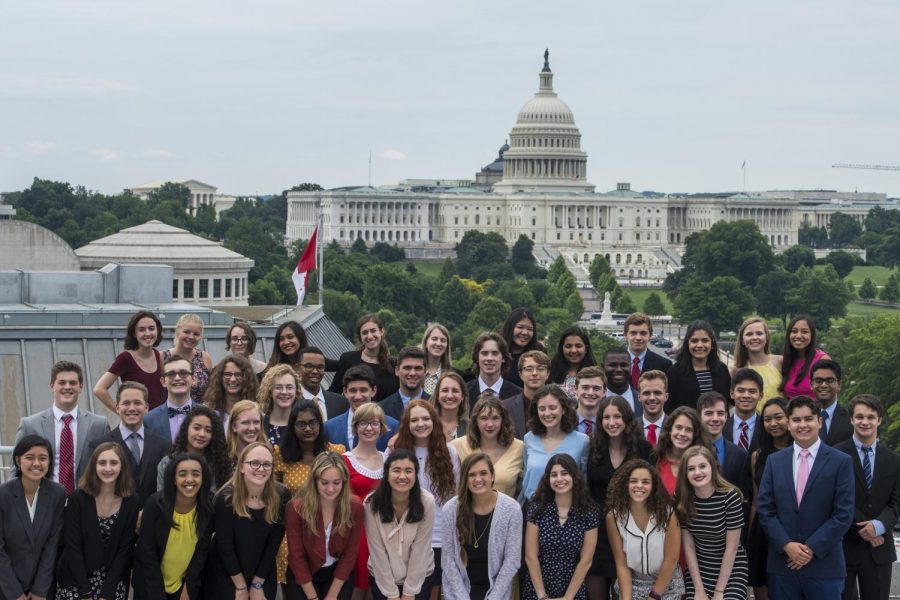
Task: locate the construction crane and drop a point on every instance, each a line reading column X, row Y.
column 873, row 167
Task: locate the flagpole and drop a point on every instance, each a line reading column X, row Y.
column 320, row 250
column 744, row 169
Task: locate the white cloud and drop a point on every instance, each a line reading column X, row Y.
column 391, row 154
column 40, row 147
column 105, row 154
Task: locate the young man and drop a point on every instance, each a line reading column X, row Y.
column 178, row 377
column 733, row 460
column 144, row 448
column 805, row 506
column 534, row 368
column 410, row 371
column 68, row 428
column 825, row 376
column 638, row 329
column 868, row 545
column 618, row 380
column 590, row 389
column 359, row 388
column 490, row 360
column 741, row 428
column 311, row 368
column 652, row 393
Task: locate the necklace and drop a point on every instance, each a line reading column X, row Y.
column 483, row 531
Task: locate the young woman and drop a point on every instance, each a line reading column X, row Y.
column 697, row 368
column 617, row 440
column 230, row 381
column 481, row 536
column 775, row 436
column 436, row 344
column 324, row 525
column 140, row 362
column 31, row 521
column 419, row 433
column 644, row 534
column 365, row 465
column 241, row 340
column 99, row 530
column 277, row 394
column 451, row 401
column 244, row 428
column 399, row 517
column 520, row 333
column 176, row 527
column 200, row 433
column 799, row 354
column 188, row 335
column 573, row 353
column 372, row 351
column 249, row 525
column 552, row 422
column 712, row 516
column 752, row 351
column 561, row 533
column 304, row 439
column 681, row 430
column 290, row 338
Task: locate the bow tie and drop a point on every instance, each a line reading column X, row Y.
column 174, row 412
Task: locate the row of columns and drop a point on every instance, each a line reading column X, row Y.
column 545, row 167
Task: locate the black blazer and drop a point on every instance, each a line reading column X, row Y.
column 156, row 447
column 83, row 550
column 728, row 433
column 515, row 406
column 840, row 428
column 147, row 581
column 736, row 469
column 684, row 391
column 652, row 361
column 386, row 382
column 335, row 404
column 507, row 390
column 882, row 503
column 28, row 549
column 393, row 405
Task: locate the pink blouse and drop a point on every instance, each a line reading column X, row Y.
column 804, row 388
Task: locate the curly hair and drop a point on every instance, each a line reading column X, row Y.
column 488, row 402
column 559, row 365
column 438, row 465
column 618, row 502
column 216, row 452
column 631, row 432
column 685, row 496
column 264, row 394
column 385, row 362
column 215, row 392
column 582, row 502
column 569, row 419
column 664, row 446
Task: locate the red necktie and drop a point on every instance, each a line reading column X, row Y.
column 635, row 371
column 744, row 440
column 588, row 427
column 67, row 456
column 651, row 435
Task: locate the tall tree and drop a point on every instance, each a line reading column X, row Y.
column 724, row 302
column 477, row 254
column 771, row 294
column 842, row 261
column 821, row 294
column 522, row 256
column 814, row 237
column 890, row 292
column 867, row 290
column 798, row 256
column 653, row 305
column 844, row 229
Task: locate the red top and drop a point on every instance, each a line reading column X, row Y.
column 127, row 369
column 306, row 551
column 665, row 473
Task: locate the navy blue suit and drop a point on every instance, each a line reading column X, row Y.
column 393, row 405
column 336, row 430
column 157, row 421
column 823, row 517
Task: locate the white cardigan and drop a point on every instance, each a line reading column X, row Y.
column 504, row 551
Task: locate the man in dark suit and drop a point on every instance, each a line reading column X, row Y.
column 490, row 360
column 67, row 427
column 868, row 545
column 410, row 371
column 638, row 329
column 359, row 388
column 165, row 420
column 311, row 368
column 744, row 427
column 652, row 393
column 825, row 376
column 734, row 461
column 144, row 448
column 805, row 506
column 615, row 364
column 534, row 368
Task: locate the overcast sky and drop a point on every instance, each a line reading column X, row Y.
column 254, row 97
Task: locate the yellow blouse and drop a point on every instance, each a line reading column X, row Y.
column 771, row 382
column 507, row 471
column 179, row 550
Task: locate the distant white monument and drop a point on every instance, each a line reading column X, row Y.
column 606, row 318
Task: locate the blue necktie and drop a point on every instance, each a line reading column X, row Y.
column 823, row 433
column 867, row 465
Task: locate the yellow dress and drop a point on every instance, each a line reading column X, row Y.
column 771, row 382
column 507, row 471
column 292, row 475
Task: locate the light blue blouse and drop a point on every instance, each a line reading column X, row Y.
column 575, row 444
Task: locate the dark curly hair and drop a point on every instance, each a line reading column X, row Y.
column 559, row 366
column 631, row 434
column 215, row 391
column 582, row 502
column 216, row 452
column 618, row 502
column 569, row 419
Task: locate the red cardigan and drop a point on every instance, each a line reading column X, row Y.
column 306, row 551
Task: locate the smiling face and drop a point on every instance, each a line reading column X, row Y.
column 146, row 332
column 560, row 480
column 288, row 342
column 617, row 374
column 489, row 424
column 189, row 334
column 573, row 349
column 652, row 394
column 284, row 391
column 523, row 333
column 246, row 426
column 637, row 337
column 800, row 335
column 261, row 459
column 188, row 479
column 549, row 411
column 450, row 395
column 699, row 474
column 358, row 393
column 34, row 464
column 232, row 379
column 682, row 433
column 804, row 426
column 479, row 479
column 411, row 373
column 312, row 370
column 775, row 421
column 713, row 419
column 534, row 375
column 865, row 422
column 368, row 431
column 330, row 484
column 826, row 386
column 590, row 391
column 402, row 475
column 370, row 335
column 131, row 408
column 178, row 378
column 490, row 360
column 199, row 433
column 700, row 345
column 436, row 344
column 755, row 337
column 307, row 427
column 238, row 341
column 746, row 395
column 612, row 421
column 420, row 424
column 65, row 389
column 640, row 486
column 108, row 466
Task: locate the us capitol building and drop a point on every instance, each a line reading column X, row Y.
column 538, row 187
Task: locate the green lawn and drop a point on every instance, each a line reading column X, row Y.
column 857, row 309
column 432, row 268
column 877, row 274
column 639, row 296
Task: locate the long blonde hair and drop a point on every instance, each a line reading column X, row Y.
column 309, row 505
column 445, row 358
column 741, row 354
column 235, row 491
column 240, row 407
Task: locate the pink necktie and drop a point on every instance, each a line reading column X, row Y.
column 67, row 456
column 802, row 474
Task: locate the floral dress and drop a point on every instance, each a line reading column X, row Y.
column 98, row 577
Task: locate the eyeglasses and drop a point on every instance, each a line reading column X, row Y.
column 824, row 380
column 533, row 369
column 284, row 388
column 312, row 367
column 369, row 425
column 174, row 374
column 306, row 424
column 227, row 375
column 256, row 465
column 241, row 339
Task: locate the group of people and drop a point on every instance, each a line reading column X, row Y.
column 530, row 476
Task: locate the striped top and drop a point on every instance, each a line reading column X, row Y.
column 704, row 380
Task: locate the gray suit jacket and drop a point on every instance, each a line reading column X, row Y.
column 29, row 548
column 89, row 428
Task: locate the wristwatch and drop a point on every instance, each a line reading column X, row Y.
column 256, row 586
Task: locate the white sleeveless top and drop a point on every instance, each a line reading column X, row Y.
column 643, row 550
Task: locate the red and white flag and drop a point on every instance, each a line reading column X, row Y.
column 305, row 266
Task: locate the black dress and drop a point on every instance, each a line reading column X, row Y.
column 757, row 543
column 97, row 579
column 599, row 476
column 385, row 381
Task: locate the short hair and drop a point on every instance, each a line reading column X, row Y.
column 175, row 358
column 133, row 385
column 66, row 366
column 653, row 375
column 800, row 401
column 637, row 318
column 747, row 374
column 537, row 356
column 359, row 373
column 248, row 330
column 826, row 363
column 567, row 422
column 131, row 341
column 710, row 399
column 617, row 350
column 369, row 411
column 309, row 350
column 413, row 352
column 27, row 443
column 590, row 373
column 90, row 483
column 870, row 400
column 490, row 336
